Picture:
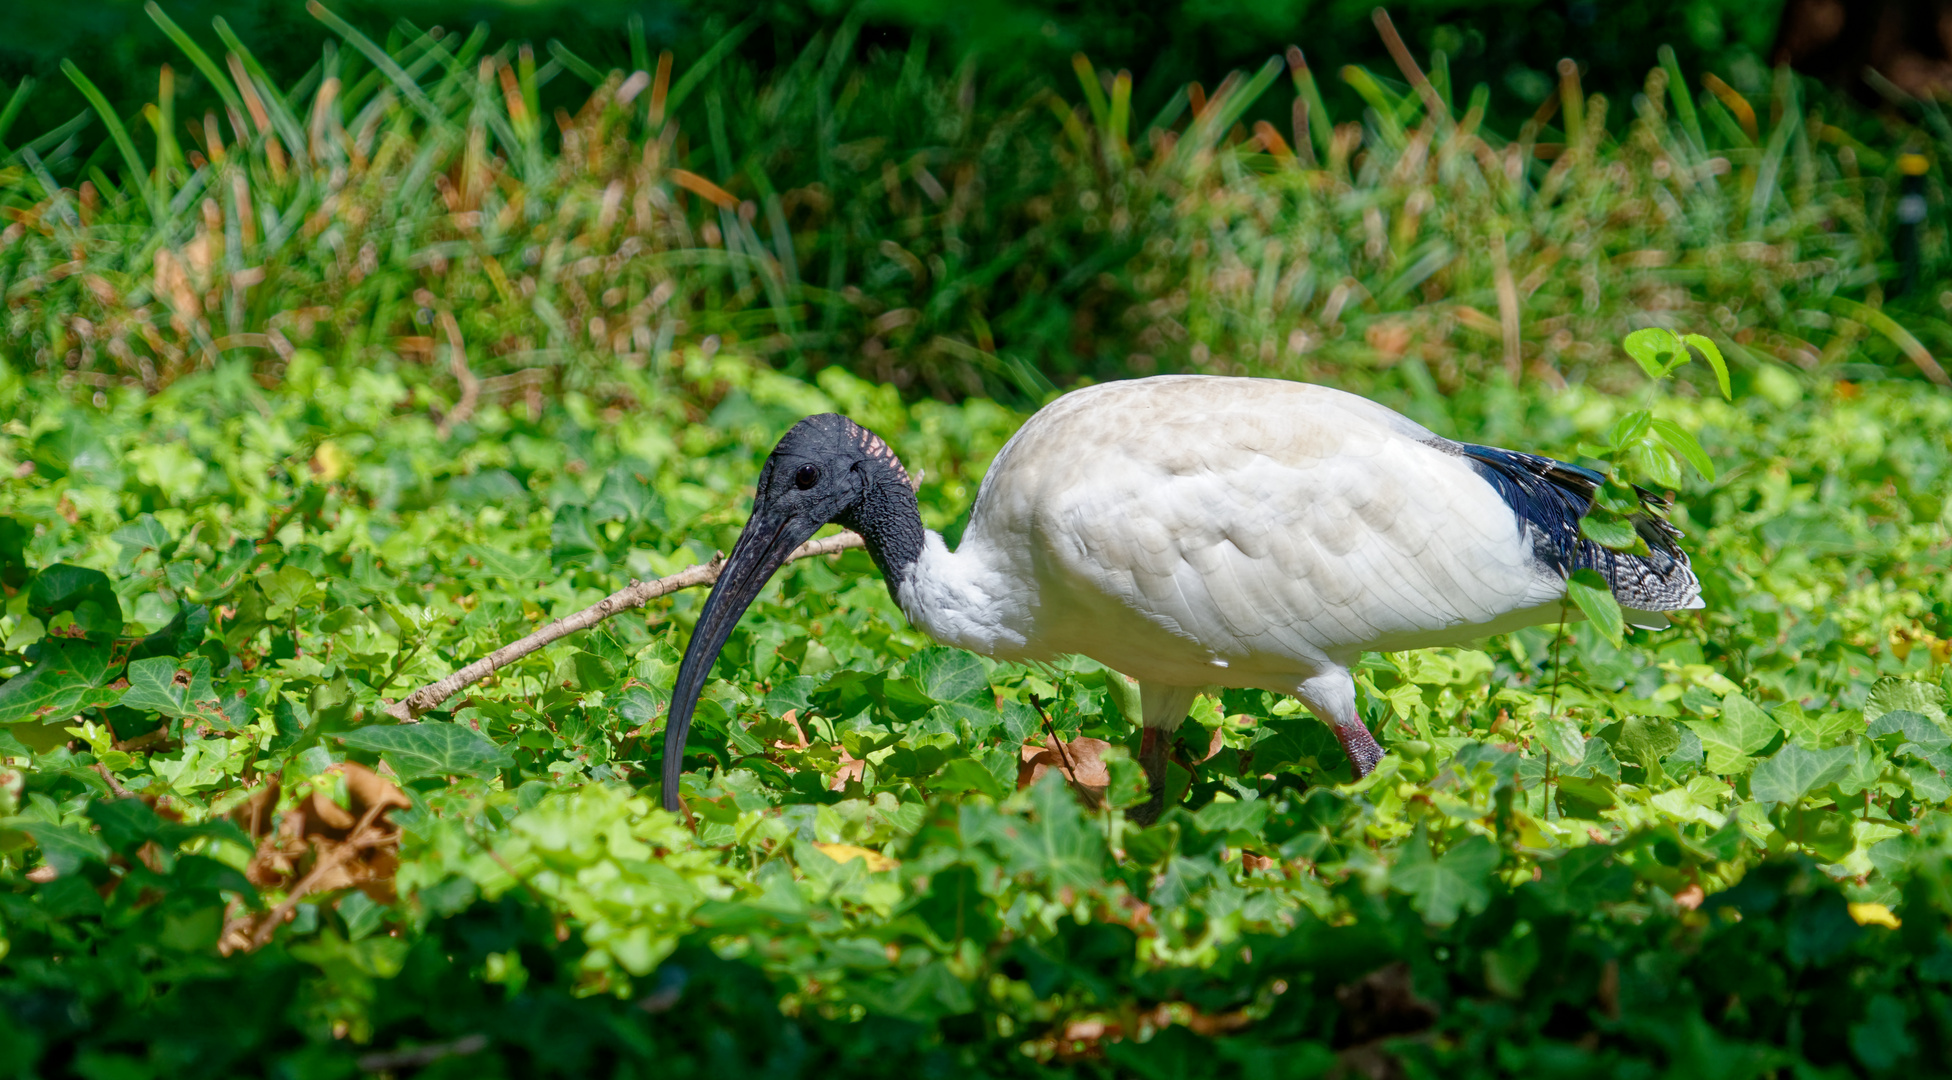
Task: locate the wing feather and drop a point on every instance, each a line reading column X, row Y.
column 1256, row 519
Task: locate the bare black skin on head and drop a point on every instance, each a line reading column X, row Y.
column 826, row 469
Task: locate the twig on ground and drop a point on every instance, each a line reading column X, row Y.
column 327, row 861
column 634, row 595
column 1070, row 770
column 113, row 784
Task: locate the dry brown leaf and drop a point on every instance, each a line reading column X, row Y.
column 317, row 846
column 851, row 768
column 1081, row 762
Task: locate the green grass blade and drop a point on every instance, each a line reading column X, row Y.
column 1884, row 324
column 1677, row 89
column 289, row 129
column 55, row 137
column 1320, row 127
column 706, row 63
column 201, row 59
column 577, row 66
column 1380, row 103
column 1121, row 114
column 1094, row 94
column 640, row 51
column 386, row 64
column 138, row 172
column 14, row 102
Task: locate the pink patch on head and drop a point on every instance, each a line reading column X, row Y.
column 872, row 446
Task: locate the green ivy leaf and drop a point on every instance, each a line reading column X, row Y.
column 512, row 567
column 1590, row 591
column 947, row 675
column 1684, row 444
column 1611, row 533
column 1817, row 731
column 71, row 675
column 1916, row 732
column 1648, row 739
column 1794, row 772
column 1582, row 879
column 1741, row 730
column 1564, row 739
column 1055, row 844
column 431, row 748
column 174, row 688
column 85, row 594
column 1656, row 350
column 1713, row 354
column 65, row 848
column 287, row 590
column 1441, row 888
column 1891, row 695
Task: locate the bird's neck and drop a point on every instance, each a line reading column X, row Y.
column 889, row 519
column 955, row 597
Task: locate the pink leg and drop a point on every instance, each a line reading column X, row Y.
column 1331, row 696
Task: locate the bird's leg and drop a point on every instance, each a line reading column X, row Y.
column 1361, row 746
column 1162, row 709
column 1331, row 696
column 1152, row 758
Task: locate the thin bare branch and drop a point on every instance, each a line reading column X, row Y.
column 634, row 595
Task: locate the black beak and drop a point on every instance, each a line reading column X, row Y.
column 769, row 537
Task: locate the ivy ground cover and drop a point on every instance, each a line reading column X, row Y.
column 1722, row 849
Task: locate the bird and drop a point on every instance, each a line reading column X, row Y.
column 1201, row 531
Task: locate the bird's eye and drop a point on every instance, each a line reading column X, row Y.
column 808, row 476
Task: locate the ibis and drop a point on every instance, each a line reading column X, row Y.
column 1197, row 531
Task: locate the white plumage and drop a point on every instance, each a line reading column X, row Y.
column 1194, row 531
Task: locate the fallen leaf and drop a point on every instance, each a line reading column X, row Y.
column 1080, row 761
column 851, row 768
column 1874, row 914
column 876, row 861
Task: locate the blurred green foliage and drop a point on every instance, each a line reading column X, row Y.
column 1513, row 45
column 948, row 231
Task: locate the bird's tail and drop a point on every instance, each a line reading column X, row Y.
column 1551, row 496
column 1646, row 585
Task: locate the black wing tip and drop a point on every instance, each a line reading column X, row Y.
column 1550, row 497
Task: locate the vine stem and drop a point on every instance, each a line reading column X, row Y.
column 635, row 595
column 1062, row 754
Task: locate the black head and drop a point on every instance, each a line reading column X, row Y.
column 826, row 469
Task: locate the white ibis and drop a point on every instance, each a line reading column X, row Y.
column 1197, row 531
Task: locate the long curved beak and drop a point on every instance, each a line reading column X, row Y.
column 769, row 537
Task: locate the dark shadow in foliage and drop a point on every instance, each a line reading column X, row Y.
column 1757, row 987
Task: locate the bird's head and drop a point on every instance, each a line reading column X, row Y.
column 826, row 469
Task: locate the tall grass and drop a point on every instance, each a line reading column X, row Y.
column 922, row 227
